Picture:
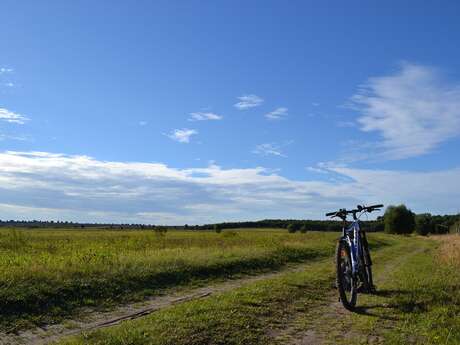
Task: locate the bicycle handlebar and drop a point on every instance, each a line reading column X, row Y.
column 343, row 212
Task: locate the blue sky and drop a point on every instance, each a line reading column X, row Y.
column 199, row 111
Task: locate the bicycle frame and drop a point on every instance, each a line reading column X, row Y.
column 352, row 235
column 357, row 265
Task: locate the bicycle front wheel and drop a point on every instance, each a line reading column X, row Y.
column 346, row 283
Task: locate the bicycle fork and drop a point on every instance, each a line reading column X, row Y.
column 354, row 252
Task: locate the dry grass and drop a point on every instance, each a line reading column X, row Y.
column 449, row 251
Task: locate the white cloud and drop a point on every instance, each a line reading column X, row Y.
column 41, row 185
column 414, row 110
column 14, row 137
column 269, row 149
column 318, row 170
column 248, row 101
column 5, row 70
column 203, row 116
column 346, row 124
column 277, row 114
column 182, row 135
column 11, row 117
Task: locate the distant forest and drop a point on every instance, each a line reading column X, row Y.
column 442, row 224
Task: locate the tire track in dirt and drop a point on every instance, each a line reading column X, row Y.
column 332, row 316
column 96, row 320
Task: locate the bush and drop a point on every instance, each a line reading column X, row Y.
column 455, row 228
column 303, row 229
column 399, row 220
column 293, row 227
column 217, row 228
column 160, row 230
column 424, row 224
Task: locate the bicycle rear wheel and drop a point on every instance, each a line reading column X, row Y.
column 346, row 283
column 367, row 264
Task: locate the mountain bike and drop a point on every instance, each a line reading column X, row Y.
column 352, row 257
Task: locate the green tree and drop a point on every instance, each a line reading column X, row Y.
column 399, row 220
column 217, row 228
column 303, row 229
column 424, row 224
column 292, row 227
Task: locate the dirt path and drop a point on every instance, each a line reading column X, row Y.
column 331, row 322
column 95, row 320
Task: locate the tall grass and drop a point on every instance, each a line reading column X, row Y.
column 449, row 252
column 253, row 314
column 47, row 274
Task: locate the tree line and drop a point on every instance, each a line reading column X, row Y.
column 397, row 219
column 293, row 225
column 37, row 224
column 401, row 220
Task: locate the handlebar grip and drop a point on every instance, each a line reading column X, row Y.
column 330, row 214
column 375, row 206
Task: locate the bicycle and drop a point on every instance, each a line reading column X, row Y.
column 353, row 260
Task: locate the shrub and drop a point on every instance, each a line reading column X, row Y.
column 293, row 227
column 303, row 229
column 424, row 224
column 160, row 231
column 399, row 220
column 217, row 228
column 455, row 228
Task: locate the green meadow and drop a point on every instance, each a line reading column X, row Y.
column 53, row 276
column 418, row 302
column 46, row 275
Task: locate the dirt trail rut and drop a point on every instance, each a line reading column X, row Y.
column 331, row 319
column 95, row 320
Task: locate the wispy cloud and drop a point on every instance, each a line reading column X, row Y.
column 414, row 110
column 41, row 185
column 204, row 116
column 143, row 123
column 4, row 70
column 346, row 124
column 248, row 101
column 277, row 114
column 14, row 137
column 11, row 117
column 318, row 170
column 182, row 135
column 269, row 149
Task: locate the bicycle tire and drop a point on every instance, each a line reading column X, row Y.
column 346, row 283
column 367, row 265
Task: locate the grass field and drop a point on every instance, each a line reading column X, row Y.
column 418, row 300
column 418, row 303
column 46, row 275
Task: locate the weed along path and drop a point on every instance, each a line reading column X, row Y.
column 97, row 320
column 330, row 323
column 417, row 302
column 247, row 310
column 294, row 305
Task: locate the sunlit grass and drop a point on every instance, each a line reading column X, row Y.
column 418, row 303
column 252, row 314
column 48, row 274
